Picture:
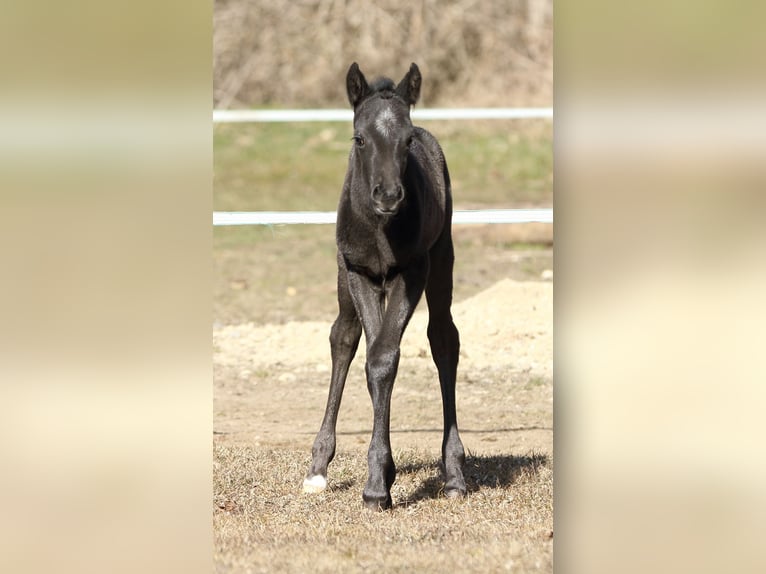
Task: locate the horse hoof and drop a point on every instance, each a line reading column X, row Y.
column 376, row 504
column 454, row 493
column 314, row 484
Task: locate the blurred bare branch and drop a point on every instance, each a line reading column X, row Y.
column 296, row 53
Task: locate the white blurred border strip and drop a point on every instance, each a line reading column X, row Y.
column 343, row 115
column 222, row 218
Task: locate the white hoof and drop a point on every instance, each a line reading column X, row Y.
column 314, row 484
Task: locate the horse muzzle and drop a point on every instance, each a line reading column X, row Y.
column 387, row 200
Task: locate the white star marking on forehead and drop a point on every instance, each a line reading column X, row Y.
column 385, row 122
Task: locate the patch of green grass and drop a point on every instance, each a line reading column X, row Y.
column 501, row 164
column 279, row 166
column 300, row 166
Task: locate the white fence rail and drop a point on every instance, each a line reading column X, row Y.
column 344, row 115
column 221, row 218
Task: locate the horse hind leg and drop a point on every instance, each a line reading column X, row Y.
column 445, row 348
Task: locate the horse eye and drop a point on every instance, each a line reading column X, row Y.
column 359, row 140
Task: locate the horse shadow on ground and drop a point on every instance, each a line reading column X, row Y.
column 493, row 471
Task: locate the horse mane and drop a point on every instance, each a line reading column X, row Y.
column 384, row 87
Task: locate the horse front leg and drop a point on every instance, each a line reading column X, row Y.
column 382, row 365
column 383, row 340
column 344, row 340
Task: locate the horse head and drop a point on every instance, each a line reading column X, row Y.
column 383, row 135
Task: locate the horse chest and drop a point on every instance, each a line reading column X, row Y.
column 374, row 256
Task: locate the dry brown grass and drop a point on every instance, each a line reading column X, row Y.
column 270, row 388
column 263, row 523
column 296, row 53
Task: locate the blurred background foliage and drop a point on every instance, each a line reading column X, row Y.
column 288, row 53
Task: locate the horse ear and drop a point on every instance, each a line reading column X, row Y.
column 409, row 88
column 356, row 85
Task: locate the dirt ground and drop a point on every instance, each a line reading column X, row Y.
column 271, row 381
column 270, row 387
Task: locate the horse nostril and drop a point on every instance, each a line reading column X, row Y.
column 387, row 197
